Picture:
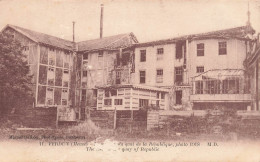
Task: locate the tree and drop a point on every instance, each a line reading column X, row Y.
column 15, row 81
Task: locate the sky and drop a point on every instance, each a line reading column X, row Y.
column 148, row 20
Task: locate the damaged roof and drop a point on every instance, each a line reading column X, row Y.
column 43, row 38
column 238, row 32
column 109, row 43
column 105, row 43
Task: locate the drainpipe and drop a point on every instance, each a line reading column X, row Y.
column 256, row 76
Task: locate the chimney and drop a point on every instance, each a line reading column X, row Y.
column 101, row 21
column 73, row 31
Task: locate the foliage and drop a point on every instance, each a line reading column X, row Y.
column 15, row 81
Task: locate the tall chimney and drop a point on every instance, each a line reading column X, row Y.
column 101, row 21
column 73, row 31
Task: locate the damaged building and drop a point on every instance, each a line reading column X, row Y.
column 199, row 71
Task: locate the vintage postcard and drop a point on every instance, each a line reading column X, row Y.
column 132, row 80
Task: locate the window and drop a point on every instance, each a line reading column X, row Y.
column 143, row 102
column 178, row 97
column 125, row 58
column 178, row 74
column 107, row 93
column 159, row 76
column 118, row 77
column 142, row 76
column 107, row 102
column 180, row 50
column 64, row 102
column 118, row 59
column 113, row 92
column 66, row 71
column 85, row 73
column 222, row 48
column 158, row 95
column 118, row 101
column 199, row 87
column 230, row 86
column 212, row 87
column 200, row 69
column 65, row 84
column 159, row 53
column 200, row 49
column 85, row 56
column 163, row 96
column 83, row 95
column 100, row 54
column 142, row 55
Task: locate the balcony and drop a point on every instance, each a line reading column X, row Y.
column 221, row 97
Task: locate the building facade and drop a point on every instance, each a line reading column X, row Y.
column 199, row 71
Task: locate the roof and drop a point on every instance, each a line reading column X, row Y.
column 136, row 86
column 43, row 38
column 109, row 43
column 238, row 32
column 220, row 74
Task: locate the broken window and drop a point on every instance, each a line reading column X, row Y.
column 142, row 55
column 159, row 53
column 64, row 96
column 41, row 94
column 43, row 70
column 66, row 60
column 118, row 102
column 113, row 92
column 107, row 102
column 51, row 76
column 222, row 48
column 200, row 69
column 142, row 76
column 180, row 50
column 57, row 96
column 52, row 57
column 65, row 78
column 49, row 96
column 159, row 76
column 230, row 86
column 118, row 77
column 178, row 74
column 43, row 55
column 178, row 97
column 59, row 58
column 199, row 87
column 58, row 77
column 107, row 93
column 125, row 58
column 143, row 102
column 200, row 49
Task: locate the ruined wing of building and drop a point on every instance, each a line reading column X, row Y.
column 196, row 71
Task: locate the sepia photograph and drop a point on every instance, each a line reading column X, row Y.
column 132, row 80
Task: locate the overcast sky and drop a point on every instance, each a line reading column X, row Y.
column 148, row 20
